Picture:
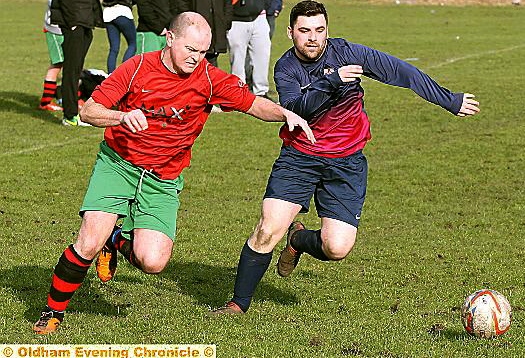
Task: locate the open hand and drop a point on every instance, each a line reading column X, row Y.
column 293, row 120
column 350, row 73
column 469, row 106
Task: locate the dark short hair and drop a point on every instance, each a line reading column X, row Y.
column 307, row 8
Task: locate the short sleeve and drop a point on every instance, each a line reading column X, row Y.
column 229, row 91
column 113, row 88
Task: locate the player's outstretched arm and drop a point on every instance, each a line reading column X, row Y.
column 99, row 116
column 469, row 107
column 268, row 111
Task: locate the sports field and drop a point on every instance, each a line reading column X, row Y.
column 444, row 214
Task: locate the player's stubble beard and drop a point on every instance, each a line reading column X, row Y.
column 310, row 56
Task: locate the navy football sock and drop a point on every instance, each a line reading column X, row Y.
column 251, row 269
column 309, row 241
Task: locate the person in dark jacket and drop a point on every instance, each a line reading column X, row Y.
column 76, row 19
column 154, row 20
column 218, row 13
column 273, row 9
column 249, row 44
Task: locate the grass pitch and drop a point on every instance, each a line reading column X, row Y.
column 443, row 215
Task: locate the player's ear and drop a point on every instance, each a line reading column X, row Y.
column 289, row 32
column 169, row 38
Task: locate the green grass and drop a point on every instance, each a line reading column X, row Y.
column 443, row 216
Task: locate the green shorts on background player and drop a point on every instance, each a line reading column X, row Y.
column 54, row 40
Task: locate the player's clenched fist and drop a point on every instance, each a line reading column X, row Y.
column 135, row 120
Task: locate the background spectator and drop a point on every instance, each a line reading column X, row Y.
column 54, row 41
column 218, row 13
column 273, row 9
column 76, row 19
column 249, row 44
column 154, row 19
column 118, row 19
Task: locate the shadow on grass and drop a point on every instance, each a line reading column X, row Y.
column 455, row 334
column 30, row 285
column 210, row 286
column 213, row 285
column 26, row 104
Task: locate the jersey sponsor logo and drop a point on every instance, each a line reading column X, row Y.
column 164, row 112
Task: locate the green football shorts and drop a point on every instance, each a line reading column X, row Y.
column 54, row 48
column 136, row 195
column 149, row 41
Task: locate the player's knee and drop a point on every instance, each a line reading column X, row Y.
column 264, row 237
column 336, row 251
column 152, row 263
column 86, row 248
column 152, row 269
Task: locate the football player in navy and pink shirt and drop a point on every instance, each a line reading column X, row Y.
column 319, row 79
column 162, row 101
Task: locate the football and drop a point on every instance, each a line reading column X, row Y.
column 486, row 314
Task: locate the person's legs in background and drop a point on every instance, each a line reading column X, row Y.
column 259, row 52
column 114, row 45
column 238, row 38
column 271, row 23
column 75, row 46
column 56, row 57
column 127, row 27
column 50, row 88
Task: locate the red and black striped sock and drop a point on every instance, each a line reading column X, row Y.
column 125, row 247
column 69, row 273
column 50, row 90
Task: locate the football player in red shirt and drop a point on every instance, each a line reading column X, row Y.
column 163, row 99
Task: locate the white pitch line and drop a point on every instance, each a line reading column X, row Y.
column 50, row 145
column 474, row 55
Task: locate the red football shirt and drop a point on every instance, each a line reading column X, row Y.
column 176, row 107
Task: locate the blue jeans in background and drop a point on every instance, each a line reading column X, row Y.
column 114, row 28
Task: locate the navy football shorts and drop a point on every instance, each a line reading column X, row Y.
column 337, row 184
